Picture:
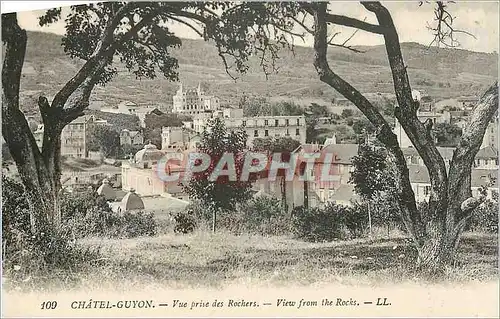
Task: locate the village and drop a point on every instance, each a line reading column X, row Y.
column 134, row 184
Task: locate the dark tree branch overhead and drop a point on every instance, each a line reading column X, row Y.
column 346, row 21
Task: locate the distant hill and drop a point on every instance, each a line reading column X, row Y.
column 443, row 73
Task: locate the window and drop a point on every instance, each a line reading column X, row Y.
column 276, row 122
column 266, row 133
column 255, row 133
column 266, row 122
column 427, row 190
column 297, row 132
column 244, row 123
column 287, row 122
column 287, row 132
column 298, row 122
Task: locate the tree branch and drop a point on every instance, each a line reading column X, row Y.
column 15, row 40
column 469, row 145
column 104, row 48
column 347, row 21
column 406, row 112
column 186, row 24
column 405, row 194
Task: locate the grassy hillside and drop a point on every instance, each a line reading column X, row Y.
column 443, row 73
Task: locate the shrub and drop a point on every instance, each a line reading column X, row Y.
column 485, row 217
column 347, row 113
column 320, row 225
column 29, row 256
column 356, row 220
column 88, row 214
column 185, row 222
column 264, row 215
column 134, row 224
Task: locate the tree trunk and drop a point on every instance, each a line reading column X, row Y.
column 439, row 249
column 306, row 194
column 39, row 172
column 283, row 195
column 214, row 219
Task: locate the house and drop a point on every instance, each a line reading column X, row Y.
column 131, row 108
column 421, row 185
column 146, row 172
column 490, row 137
column 412, row 156
column 131, row 138
column 487, row 158
column 467, row 102
column 178, row 138
column 344, row 195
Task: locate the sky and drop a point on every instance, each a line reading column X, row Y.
column 480, row 18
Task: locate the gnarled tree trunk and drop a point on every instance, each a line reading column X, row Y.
column 38, row 171
column 436, row 233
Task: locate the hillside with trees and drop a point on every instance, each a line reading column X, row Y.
column 441, row 72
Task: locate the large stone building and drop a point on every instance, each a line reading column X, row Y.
column 194, row 101
column 178, row 138
column 131, row 108
column 293, row 126
column 74, row 136
column 141, row 173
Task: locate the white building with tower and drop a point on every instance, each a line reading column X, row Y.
column 194, row 101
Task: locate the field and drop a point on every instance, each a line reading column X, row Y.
column 207, row 260
column 203, row 267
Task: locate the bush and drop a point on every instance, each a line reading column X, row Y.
column 347, row 113
column 356, row 220
column 320, row 225
column 485, row 218
column 32, row 256
column 264, row 215
column 88, row 214
column 185, row 222
column 133, row 224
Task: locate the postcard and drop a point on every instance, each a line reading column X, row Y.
column 249, row 159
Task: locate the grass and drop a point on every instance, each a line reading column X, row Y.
column 206, row 260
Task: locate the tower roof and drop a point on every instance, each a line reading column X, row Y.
column 106, row 190
column 131, row 201
column 149, row 153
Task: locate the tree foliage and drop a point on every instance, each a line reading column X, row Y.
column 371, row 174
column 105, row 139
column 261, row 106
column 221, row 193
column 282, row 144
column 447, row 135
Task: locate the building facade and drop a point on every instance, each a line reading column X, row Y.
column 193, row 101
column 293, row 126
column 75, row 136
column 131, row 138
column 490, row 137
column 178, row 138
